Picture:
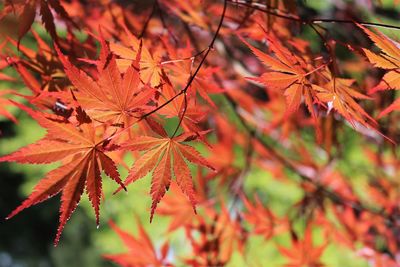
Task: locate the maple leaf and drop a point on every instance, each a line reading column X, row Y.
column 150, row 68
column 303, row 253
column 21, row 66
column 83, row 156
column 47, row 87
column 286, row 72
column 339, row 95
column 111, row 98
column 230, row 232
column 27, row 13
column 355, row 225
column 214, row 240
column 177, row 207
column 141, row 251
column 389, row 59
column 189, row 12
column 42, row 73
column 264, row 221
column 158, row 156
column 27, row 17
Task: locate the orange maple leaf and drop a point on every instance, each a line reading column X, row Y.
column 83, row 154
column 191, row 12
column 158, row 156
column 265, row 222
column 27, row 13
column 111, row 98
column 339, row 95
column 389, row 59
column 286, row 72
column 214, row 241
column 150, row 68
column 303, row 253
column 177, row 207
column 141, row 251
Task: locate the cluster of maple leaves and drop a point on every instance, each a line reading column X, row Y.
column 163, row 79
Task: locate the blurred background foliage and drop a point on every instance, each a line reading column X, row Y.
column 27, row 239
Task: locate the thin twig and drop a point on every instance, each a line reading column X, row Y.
column 146, row 24
column 287, row 16
column 191, row 79
column 210, row 47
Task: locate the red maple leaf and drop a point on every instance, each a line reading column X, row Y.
column 388, row 59
column 303, row 253
column 160, row 152
column 141, row 251
column 111, row 98
column 83, row 156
